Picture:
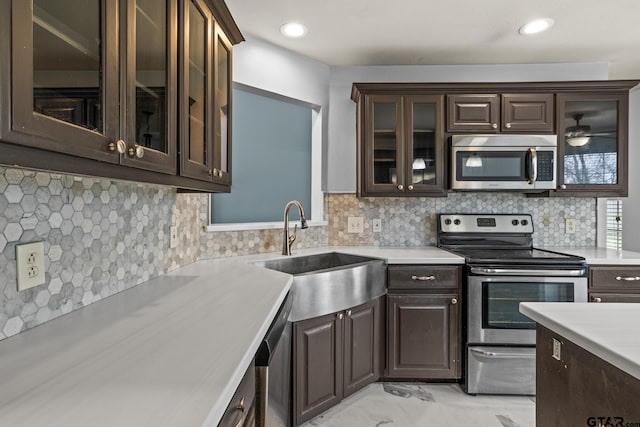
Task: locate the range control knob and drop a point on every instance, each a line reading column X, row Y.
column 447, row 221
column 515, row 222
column 524, row 222
column 456, row 221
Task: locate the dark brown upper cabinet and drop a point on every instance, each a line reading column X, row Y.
column 517, row 112
column 91, row 87
column 592, row 144
column 473, row 113
column 400, row 145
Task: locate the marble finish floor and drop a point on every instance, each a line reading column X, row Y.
column 421, row 404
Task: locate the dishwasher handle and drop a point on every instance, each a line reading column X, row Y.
column 271, row 339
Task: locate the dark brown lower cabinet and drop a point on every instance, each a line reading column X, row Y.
column 614, row 283
column 423, row 336
column 334, row 356
column 581, row 389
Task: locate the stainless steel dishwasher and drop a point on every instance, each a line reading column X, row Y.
column 273, row 371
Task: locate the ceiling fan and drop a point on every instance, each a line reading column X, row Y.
column 579, row 135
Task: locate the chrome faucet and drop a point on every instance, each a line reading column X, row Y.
column 287, row 239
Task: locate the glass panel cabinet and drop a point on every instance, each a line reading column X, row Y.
column 65, row 76
column 90, row 86
column 401, row 146
column 592, row 146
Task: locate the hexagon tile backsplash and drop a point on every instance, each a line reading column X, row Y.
column 100, row 237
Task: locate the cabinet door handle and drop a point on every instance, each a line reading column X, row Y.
column 410, row 187
column 136, row 151
column 120, row 146
column 596, row 299
column 400, row 187
column 340, row 316
column 563, row 187
column 508, row 125
column 628, row 278
column 494, row 126
column 349, row 313
column 454, row 301
column 423, row 278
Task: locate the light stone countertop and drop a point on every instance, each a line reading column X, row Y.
column 170, row 351
column 610, row 331
column 600, row 256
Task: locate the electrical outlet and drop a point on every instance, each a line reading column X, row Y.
column 557, row 349
column 377, row 225
column 355, row 224
column 173, row 236
column 570, row 225
column 30, row 265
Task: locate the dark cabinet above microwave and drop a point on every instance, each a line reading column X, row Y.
column 508, row 112
column 100, row 91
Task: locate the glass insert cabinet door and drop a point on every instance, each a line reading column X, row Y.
column 222, row 143
column 65, row 75
column 386, row 139
column 424, row 142
column 196, row 129
column 591, row 150
column 152, row 69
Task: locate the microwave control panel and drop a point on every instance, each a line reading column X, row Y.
column 545, row 166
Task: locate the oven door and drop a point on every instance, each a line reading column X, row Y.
column 493, row 302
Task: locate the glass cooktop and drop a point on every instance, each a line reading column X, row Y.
column 510, row 256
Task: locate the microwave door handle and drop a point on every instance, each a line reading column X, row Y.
column 533, row 165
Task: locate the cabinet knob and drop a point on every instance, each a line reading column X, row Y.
column 494, row 126
column 120, row 146
column 240, row 406
column 136, row 151
column 596, row 299
column 340, row 316
column 410, row 187
column 400, row 187
column 563, row 187
column 349, row 313
column 508, row 125
column 454, row 301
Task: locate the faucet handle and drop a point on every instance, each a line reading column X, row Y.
column 292, row 237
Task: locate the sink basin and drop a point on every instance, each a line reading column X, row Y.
column 330, row 282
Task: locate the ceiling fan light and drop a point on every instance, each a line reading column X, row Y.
column 293, row 30
column 578, row 141
column 537, row 26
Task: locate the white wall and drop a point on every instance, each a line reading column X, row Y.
column 341, row 151
column 631, row 205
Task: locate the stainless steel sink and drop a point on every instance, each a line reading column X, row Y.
column 330, row 282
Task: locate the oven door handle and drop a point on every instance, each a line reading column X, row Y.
column 504, row 355
column 522, row 272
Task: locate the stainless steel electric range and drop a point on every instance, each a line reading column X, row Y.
column 503, row 269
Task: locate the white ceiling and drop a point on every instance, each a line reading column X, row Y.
column 421, row 32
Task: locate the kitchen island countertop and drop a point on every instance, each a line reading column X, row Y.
column 170, row 351
column 610, row 331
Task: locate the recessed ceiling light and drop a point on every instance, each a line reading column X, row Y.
column 293, row 29
column 537, row 26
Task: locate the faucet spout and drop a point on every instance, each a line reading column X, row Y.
column 288, row 239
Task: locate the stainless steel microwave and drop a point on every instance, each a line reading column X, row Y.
column 503, row 162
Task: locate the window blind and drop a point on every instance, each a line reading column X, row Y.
column 614, row 224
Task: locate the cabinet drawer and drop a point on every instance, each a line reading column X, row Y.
column 423, row 277
column 240, row 410
column 613, row 297
column 625, row 278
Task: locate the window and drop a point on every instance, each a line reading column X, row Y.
column 274, row 146
column 614, row 224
